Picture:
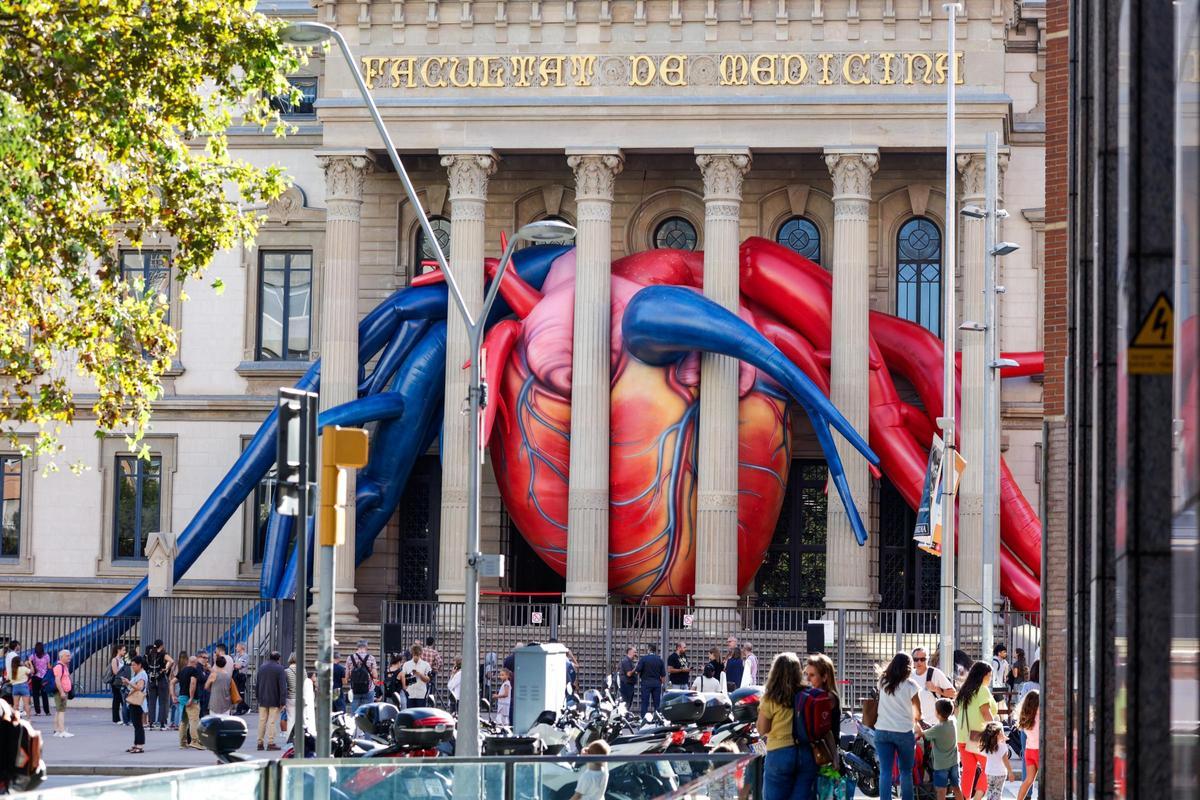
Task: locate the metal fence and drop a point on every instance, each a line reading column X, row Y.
column 99, row 636
column 859, row 642
column 183, row 623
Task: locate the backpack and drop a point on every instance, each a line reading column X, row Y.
column 360, row 675
column 812, row 715
column 48, row 681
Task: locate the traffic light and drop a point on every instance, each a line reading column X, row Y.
column 296, row 452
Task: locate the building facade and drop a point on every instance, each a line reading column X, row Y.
column 687, row 124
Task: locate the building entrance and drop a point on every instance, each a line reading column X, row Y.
column 793, row 571
column 909, row 578
column 419, row 515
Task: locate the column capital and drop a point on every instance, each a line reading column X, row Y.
column 595, row 172
column 851, row 170
column 723, row 169
column 469, row 170
column 345, row 174
column 972, row 165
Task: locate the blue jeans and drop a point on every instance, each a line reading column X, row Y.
column 651, row 697
column 790, row 774
column 891, row 746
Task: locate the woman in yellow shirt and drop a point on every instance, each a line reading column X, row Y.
column 974, row 708
column 790, row 773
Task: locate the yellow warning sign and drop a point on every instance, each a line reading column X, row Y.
column 1152, row 349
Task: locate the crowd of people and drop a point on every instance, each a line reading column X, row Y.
column 960, row 719
column 647, row 675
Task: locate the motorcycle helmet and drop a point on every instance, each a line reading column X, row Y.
column 376, row 719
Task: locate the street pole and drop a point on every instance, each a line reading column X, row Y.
column 341, row 448
column 991, row 419
column 949, row 330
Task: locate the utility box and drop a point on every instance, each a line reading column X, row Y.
column 540, row 683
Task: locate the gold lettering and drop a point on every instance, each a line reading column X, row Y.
column 939, row 70
column 522, row 69
column 551, row 66
column 734, row 70
column 583, row 68
column 471, row 81
column 864, row 74
column 793, row 62
column 762, row 69
column 403, row 72
column 372, row 69
column 887, row 58
column 641, row 71
column 671, row 70
column 910, row 59
column 491, row 74
column 441, row 80
column 825, row 59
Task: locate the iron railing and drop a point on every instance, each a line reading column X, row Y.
column 859, row 642
column 89, row 669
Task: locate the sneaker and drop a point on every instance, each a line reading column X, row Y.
column 67, row 734
column 116, row 723
column 195, row 746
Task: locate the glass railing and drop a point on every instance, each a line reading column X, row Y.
column 726, row 775
column 246, row 781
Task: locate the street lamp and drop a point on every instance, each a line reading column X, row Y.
column 303, row 34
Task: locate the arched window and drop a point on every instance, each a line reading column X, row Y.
column 801, row 235
column 423, row 251
column 919, row 274
column 675, row 233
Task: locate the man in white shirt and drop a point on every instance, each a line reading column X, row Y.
column 414, row 677
column 934, row 684
column 750, row 674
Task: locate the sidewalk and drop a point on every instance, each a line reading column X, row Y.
column 98, row 747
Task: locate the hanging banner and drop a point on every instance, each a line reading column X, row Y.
column 928, row 531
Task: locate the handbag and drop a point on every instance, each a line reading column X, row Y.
column 135, row 697
column 870, row 711
column 235, row 696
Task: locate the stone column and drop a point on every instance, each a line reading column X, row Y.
column 469, row 171
column 344, row 178
column 848, row 566
column 587, row 522
column 717, row 504
column 970, row 426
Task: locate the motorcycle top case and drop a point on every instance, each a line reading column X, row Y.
column 512, row 746
column 222, row 734
column 682, row 706
column 745, row 703
column 376, row 719
column 422, row 727
column 716, row 709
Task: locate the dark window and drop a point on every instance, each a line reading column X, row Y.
column 675, row 233
column 909, row 578
column 153, row 269
column 308, row 96
column 418, row 517
column 284, row 305
column 919, row 274
column 136, row 504
column 793, row 571
column 10, row 513
column 423, row 254
column 264, row 496
column 801, row 235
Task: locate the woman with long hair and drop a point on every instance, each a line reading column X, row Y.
column 898, row 724
column 116, row 666
column 974, row 709
column 39, row 662
column 1029, row 721
column 790, row 772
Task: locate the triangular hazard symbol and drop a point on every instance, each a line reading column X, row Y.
column 1158, row 326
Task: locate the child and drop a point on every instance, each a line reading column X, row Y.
column 944, row 741
column 1030, row 721
column 593, row 780
column 504, row 696
column 997, row 770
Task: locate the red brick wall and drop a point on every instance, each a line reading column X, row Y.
column 1054, row 321
column 1056, row 430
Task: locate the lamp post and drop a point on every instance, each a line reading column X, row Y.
column 311, row 33
column 949, row 330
